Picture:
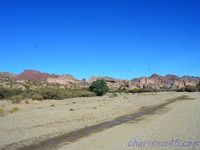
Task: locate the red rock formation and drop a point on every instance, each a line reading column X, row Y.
column 34, row 75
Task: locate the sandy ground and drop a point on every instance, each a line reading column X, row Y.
column 42, row 120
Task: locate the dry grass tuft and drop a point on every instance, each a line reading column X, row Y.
column 14, row 109
column 52, row 105
column 71, row 109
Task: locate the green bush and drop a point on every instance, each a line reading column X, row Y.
column 99, row 87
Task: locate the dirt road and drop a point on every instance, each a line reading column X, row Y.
column 175, row 127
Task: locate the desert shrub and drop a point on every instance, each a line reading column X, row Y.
column 51, row 93
column 14, row 109
column 27, row 102
column 28, row 93
column 191, row 89
column 137, row 90
column 58, row 93
column 99, row 87
column 37, row 96
column 188, row 89
column 7, row 92
column 43, row 93
column 181, row 90
column 16, row 99
column 83, row 93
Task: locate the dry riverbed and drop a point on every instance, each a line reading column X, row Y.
column 32, row 121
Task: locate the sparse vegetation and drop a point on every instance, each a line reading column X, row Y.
column 125, row 97
column 16, row 99
column 57, row 93
column 14, row 109
column 99, row 87
column 135, row 91
column 113, row 95
column 37, row 96
column 52, row 105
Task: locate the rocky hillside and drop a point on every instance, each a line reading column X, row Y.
column 155, row 81
column 166, row 82
column 37, row 78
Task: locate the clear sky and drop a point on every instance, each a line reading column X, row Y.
column 118, row 38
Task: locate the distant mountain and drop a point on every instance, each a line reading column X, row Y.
column 155, row 81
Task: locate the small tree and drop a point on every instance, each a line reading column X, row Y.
column 99, row 87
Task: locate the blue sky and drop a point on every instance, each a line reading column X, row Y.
column 118, row 38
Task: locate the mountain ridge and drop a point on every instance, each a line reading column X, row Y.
column 155, row 81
